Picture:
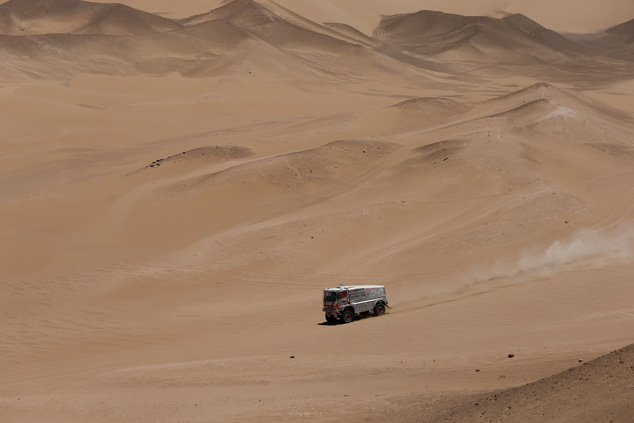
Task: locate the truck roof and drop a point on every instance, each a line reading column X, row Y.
column 354, row 287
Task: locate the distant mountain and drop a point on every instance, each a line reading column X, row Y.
column 54, row 38
column 624, row 31
column 32, row 17
column 542, row 35
column 351, row 33
column 263, row 23
column 242, row 36
column 434, row 33
column 240, row 12
column 616, row 42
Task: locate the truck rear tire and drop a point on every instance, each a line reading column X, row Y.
column 379, row 310
column 347, row 316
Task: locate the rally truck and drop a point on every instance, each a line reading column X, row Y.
column 345, row 302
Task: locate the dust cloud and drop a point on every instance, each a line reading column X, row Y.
column 590, row 247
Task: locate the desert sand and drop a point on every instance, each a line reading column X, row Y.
column 180, row 180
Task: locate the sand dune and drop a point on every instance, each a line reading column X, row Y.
column 432, row 105
column 157, row 45
column 542, row 35
column 351, row 33
column 204, row 154
column 404, row 44
column 433, row 33
column 619, row 40
column 624, row 30
column 560, row 15
column 77, row 16
column 240, row 12
column 272, row 28
column 179, row 182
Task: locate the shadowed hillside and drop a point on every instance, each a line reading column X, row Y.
column 72, row 37
column 64, row 34
column 625, row 31
column 19, row 17
column 247, row 13
column 434, row 33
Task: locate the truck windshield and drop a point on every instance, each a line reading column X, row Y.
column 330, row 296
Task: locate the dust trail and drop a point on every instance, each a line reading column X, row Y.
column 590, row 247
column 587, row 248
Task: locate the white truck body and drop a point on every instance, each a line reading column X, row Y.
column 345, row 302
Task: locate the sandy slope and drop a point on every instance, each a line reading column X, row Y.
column 565, row 396
column 431, row 33
column 246, row 37
column 75, row 16
column 177, row 189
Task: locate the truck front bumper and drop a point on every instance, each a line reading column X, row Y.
column 331, row 312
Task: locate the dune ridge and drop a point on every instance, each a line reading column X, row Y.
column 80, row 17
column 624, row 30
column 434, row 33
column 427, row 40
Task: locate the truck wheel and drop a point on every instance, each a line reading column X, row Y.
column 347, row 316
column 330, row 319
column 379, row 310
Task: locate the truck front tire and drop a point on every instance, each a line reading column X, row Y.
column 379, row 310
column 347, row 316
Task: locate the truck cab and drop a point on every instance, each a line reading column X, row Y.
column 345, row 302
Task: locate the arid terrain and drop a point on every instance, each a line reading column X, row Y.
column 179, row 181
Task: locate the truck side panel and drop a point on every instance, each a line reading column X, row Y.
column 365, row 299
